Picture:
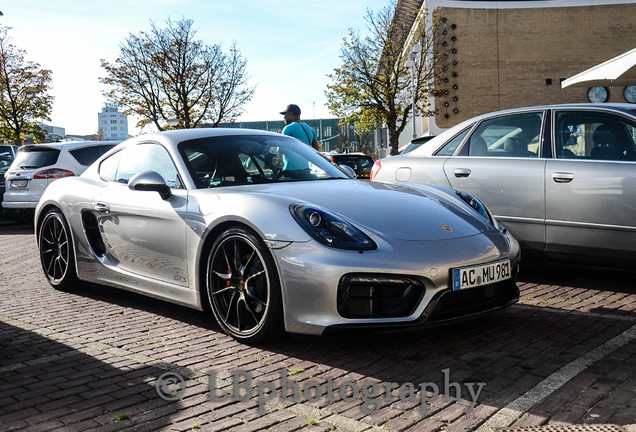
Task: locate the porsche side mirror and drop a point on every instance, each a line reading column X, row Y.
column 150, row 181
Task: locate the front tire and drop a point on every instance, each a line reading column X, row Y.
column 243, row 287
column 56, row 251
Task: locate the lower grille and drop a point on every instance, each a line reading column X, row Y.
column 457, row 304
column 373, row 296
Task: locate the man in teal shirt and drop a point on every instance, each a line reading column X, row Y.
column 298, row 129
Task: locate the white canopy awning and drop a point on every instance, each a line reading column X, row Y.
column 619, row 71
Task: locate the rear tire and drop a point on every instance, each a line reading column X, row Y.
column 243, row 287
column 56, row 251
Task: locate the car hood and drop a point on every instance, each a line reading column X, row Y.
column 392, row 210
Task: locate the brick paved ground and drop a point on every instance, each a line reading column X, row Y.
column 92, row 359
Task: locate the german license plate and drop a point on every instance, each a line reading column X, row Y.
column 19, row 183
column 475, row 276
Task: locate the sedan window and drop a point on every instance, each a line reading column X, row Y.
column 450, row 147
column 516, row 135
column 595, row 136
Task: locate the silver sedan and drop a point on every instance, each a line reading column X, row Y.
column 271, row 236
column 561, row 178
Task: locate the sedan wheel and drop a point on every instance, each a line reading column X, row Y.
column 56, row 251
column 243, row 287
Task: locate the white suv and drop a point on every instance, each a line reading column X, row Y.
column 36, row 166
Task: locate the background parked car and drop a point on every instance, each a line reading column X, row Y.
column 360, row 163
column 5, row 163
column 36, row 166
column 561, row 178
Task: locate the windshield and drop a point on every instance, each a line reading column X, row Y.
column 251, row 159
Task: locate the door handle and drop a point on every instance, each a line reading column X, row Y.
column 102, row 208
column 462, row 172
column 562, row 177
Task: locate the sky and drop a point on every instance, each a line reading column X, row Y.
column 290, row 47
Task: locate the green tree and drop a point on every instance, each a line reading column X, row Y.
column 166, row 74
column 373, row 86
column 24, row 98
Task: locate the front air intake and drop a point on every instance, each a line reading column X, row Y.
column 373, row 296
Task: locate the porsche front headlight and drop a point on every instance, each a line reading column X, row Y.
column 329, row 229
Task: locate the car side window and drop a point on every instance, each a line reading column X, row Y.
column 450, row 147
column 88, row 155
column 108, row 167
column 595, row 136
column 121, row 166
column 516, row 135
column 147, row 157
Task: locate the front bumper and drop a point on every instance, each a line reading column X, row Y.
column 311, row 275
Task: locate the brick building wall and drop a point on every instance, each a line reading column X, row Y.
column 505, row 56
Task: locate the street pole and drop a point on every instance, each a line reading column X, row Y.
column 415, row 49
column 413, row 99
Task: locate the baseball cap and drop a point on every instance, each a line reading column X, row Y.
column 292, row 108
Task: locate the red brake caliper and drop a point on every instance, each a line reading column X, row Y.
column 228, row 283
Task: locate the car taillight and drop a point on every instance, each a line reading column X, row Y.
column 333, row 159
column 376, row 169
column 53, row 173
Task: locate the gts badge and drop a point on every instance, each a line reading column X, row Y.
column 180, row 279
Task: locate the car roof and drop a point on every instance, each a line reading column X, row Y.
column 624, row 107
column 188, row 134
column 173, row 137
column 69, row 144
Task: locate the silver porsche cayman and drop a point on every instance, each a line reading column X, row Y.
column 271, row 237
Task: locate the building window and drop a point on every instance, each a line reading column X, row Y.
column 328, row 131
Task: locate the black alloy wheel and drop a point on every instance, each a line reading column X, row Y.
column 243, row 287
column 56, row 251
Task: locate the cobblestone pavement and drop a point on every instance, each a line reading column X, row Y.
column 104, row 359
